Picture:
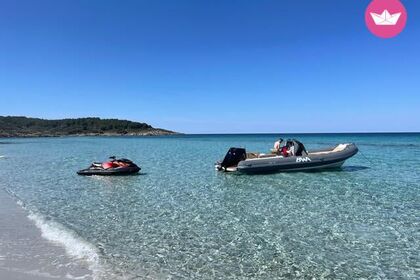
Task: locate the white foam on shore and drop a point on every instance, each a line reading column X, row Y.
column 75, row 247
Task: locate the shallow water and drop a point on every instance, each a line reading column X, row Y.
column 181, row 219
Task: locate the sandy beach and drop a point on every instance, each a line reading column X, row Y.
column 25, row 254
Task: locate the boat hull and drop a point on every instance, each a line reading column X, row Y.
column 315, row 160
column 274, row 168
column 120, row 171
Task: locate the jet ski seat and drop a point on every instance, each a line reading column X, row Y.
column 107, row 165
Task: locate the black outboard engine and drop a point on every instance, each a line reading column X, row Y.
column 233, row 157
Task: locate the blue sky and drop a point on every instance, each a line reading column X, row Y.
column 210, row 66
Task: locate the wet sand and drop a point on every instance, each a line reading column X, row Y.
column 26, row 255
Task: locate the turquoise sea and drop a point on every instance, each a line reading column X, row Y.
column 180, row 219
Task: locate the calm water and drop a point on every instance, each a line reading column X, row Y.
column 180, row 219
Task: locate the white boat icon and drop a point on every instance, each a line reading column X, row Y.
column 385, row 18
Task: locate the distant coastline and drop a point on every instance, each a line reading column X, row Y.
column 17, row 126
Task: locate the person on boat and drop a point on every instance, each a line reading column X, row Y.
column 277, row 145
column 284, row 151
column 290, row 148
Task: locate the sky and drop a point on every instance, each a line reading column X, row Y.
column 219, row 66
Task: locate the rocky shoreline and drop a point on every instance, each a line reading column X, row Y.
column 156, row 132
column 12, row 126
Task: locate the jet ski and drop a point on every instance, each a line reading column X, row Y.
column 238, row 160
column 113, row 167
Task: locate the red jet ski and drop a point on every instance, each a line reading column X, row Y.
column 113, row 167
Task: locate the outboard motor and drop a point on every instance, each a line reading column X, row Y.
column 233, row 157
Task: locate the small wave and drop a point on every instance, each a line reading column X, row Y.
column 75, row 247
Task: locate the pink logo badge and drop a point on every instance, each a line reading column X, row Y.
column 386, row 18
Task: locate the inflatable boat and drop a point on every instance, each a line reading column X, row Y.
column 113, row 167
column 238, row 160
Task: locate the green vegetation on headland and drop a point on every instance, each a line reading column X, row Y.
column 12, row 126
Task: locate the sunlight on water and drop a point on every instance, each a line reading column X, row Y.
column 181, row 219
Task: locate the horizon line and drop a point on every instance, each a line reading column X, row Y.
column 289, row 133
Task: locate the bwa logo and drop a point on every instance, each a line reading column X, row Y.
column 386, row 18
column 303, row 159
